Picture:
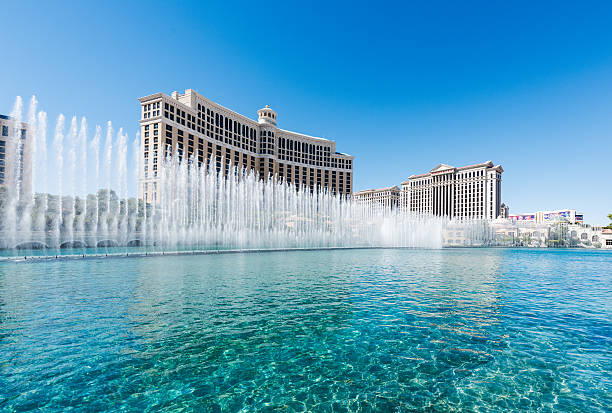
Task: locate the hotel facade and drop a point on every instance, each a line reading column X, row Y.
column 472, row 191
column 190, row 126
column 15, row 148
column 379, row 199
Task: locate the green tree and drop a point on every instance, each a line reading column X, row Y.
column 610, row 224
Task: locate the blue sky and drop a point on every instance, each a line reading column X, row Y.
column 401, row 86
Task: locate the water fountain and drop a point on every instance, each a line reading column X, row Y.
column 199, row 207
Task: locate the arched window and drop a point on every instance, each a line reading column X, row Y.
column 574, row 234
column 595, row 238
column 584, row 236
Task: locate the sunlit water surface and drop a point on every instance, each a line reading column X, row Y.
column 349, row 330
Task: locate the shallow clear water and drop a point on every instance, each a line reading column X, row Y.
column 348, row 330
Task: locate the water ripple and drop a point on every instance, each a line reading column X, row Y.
column 367, row 330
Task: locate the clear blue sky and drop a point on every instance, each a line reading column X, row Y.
column 401, row 86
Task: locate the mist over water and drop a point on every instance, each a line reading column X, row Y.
column 197, row 206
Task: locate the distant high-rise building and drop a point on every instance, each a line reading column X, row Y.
column 379, row 199
column 472, row 191
column 191, row 126
column 15, row 160
column 504, row 211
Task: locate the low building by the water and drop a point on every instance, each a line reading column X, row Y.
column 379, row 199
column 472, row 191
column 15, row 159
column 190, row 126
column 606, row 238
column 513, row 233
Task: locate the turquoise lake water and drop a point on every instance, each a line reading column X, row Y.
column 347, row 330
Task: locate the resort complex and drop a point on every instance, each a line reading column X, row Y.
column 292, row 208
column 209, row 176
column 466, row 192
column 474, row 193
column 192, row 127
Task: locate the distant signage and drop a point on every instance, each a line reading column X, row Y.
column 579, row 217
column 525, row 217
column 551, row 215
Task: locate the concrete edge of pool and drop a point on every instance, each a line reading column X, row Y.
column 68, row 257
column 57, row 257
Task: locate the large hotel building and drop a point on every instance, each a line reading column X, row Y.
column 379, row 199
column 190, row 125
column 13, row 138
column 472, row 191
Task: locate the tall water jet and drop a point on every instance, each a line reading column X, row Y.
column 121, row 214
column 58, row 144
column 82, row 147
column 108, row 159
column 13, row 174
column 41, row 142
column 29, row 162
column 70, row 218
column 95, row 144
column 135, row 178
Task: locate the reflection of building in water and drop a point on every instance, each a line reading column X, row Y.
column 379, row 199
column 15, row 160
column 565, row 215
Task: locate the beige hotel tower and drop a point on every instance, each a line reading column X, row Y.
column 472, row 191
column 190, row 125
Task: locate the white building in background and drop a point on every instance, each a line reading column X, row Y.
column 510, row 233
column 472, row 191
column 190, row 126
column 15, row 155
column 566, row 215
column 606, row 238
column 585, row 235
column 379, row 199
